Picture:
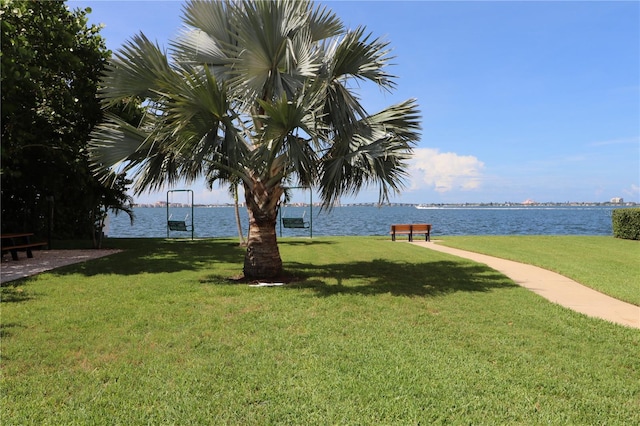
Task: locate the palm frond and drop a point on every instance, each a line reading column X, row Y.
column 135, row 71
column 213, row 17
column 277, row 55
column 324, row 24
column 197, row 47
column 284, row 121
column 112, row 143
column 352, row 56
column 186, row 129
column 208, row 38
column 357, row 57
column 402, row 120
column 196, row 101
column 342, row 109
column 375, row 154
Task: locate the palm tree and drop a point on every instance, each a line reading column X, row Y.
column 261, row 93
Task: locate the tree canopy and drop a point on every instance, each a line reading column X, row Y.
column 261, row 94
column 52, row 62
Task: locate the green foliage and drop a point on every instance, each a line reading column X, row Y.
column 51, row 66
column 389, row 335
column 626, row 223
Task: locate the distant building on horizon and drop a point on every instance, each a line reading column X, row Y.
column 617, row 200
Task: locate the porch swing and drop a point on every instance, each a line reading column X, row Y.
column 180, row 225
column 297, row 222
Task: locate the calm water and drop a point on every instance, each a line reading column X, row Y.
column 368, row 220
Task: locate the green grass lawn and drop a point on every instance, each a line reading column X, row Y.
column 371, row 332
column 609, row 265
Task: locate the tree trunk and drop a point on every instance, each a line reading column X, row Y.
column 236, row 208
column 262, row 259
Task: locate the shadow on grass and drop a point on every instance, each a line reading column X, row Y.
column 6, row 330
column 379, row 276
column 382, row 276
column 13, row 291
column 159, row 256
column 142, row 255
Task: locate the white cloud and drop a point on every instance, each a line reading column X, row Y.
column 444, row 171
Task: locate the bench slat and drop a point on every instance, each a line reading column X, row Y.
column 22, row 246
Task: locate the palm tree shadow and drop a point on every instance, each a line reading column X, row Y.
column 382, row 276
column 15, row 292
column 159, row 256
column 378, row 276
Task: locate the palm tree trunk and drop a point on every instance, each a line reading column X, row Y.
column 262, row 259
column 237, row 212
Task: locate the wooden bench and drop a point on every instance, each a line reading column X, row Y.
column 421, row 228
column 400, row 230
column 12, row 243
column 294, row 222
column 411, row 230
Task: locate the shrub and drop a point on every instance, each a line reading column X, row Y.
column 626, row 223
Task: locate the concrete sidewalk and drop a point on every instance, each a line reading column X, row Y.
column 554, row 287
column 46, row 260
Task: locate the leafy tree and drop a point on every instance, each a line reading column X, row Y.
column 51, row 67
column 261, row 93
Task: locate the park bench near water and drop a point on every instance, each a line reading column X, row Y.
column 400, row 230
column 411, row 230
column 12, row 243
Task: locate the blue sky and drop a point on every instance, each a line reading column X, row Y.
column 520, row 100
